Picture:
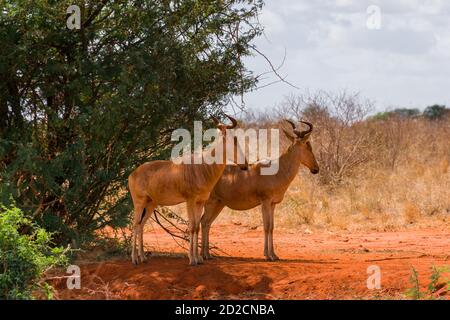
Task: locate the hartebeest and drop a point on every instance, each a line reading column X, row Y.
column 166, row 183
column 244, row 190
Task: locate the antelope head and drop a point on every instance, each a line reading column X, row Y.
column 301, row 140
column 229, row 139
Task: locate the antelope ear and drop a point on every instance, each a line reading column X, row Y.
column 289, row 135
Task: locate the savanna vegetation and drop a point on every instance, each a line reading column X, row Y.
column 80, row 109
column 26, row 254
column 378, row 171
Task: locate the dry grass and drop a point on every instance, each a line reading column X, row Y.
column 405, row 183
column 380, row 193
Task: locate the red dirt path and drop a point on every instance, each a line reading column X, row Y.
column 319, row 265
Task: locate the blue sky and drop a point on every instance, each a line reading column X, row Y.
column 328, row 46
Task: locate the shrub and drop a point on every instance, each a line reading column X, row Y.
column 342, row 140
column 26, row 255
column 405, row 113
column 437, row 288
column 79, row 110
column 435, row 112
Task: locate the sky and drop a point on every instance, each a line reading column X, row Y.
column 393, row 52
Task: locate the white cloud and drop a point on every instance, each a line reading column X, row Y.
column 329, row 47
column 272, row 22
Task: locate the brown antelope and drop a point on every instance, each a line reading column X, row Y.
column 244, row 190
column 166, row 183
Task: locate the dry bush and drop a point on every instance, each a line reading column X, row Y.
column 393, row 139
column 342, row 140
column 411, row 213
column 407, row 181
column 375, row 174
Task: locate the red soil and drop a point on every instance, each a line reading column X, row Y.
column 319, row 265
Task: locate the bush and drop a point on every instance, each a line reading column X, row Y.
column 342, row 140
column 437, row 288
column 435, row 112
column 25, row 255
column 405, row 113
column 81, row 109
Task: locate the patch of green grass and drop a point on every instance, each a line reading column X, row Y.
column 437, row 282
column 27, row 253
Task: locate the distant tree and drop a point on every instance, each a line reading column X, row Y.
column 80, row 109
column 402, row 113
column 406, row 113
column 381, row 116
column 435, row 112
column 341, row 136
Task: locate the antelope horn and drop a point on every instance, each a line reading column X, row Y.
column 302, row 134
column 216, row 121
column 233, row 120
column 291, row 123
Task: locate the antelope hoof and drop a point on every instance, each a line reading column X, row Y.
column 200, row 260
column 272, row 258
column 207, row 256
column 193, row 263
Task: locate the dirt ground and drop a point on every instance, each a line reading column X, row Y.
column 313, row 265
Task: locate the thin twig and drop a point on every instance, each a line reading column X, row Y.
column 175, row 236
column 274, row 70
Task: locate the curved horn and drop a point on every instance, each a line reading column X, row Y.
column 216, row 121
column 233, row 120
column 291, row 123
column 302, row 134
column 288, row 134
